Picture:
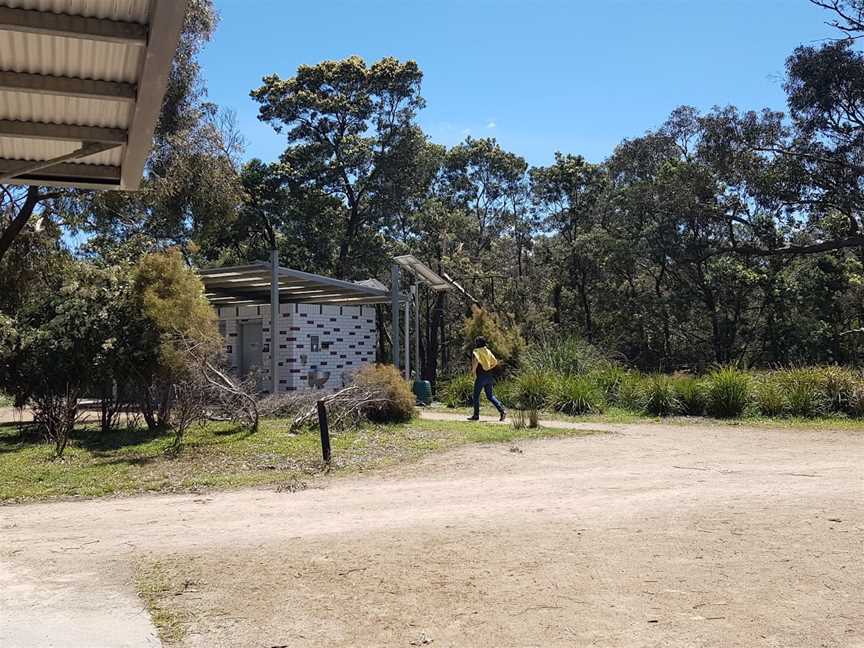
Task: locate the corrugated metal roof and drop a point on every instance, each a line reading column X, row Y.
column 123, row 10
column 251, row 284
column 69, row 57
column 65, row 42
column 19, row 148
column 26, row 106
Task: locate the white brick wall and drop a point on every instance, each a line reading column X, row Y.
column 346, row 339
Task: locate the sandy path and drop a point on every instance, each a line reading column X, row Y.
column 655, row 536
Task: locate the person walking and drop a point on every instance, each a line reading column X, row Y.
column 483, row 362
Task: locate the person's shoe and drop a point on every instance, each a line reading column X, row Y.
column 503, row 416
column 473, row 418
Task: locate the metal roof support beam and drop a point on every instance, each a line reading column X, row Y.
column 62, row 174
column 31, row 167
column 166, row 24
column 63, row 132
column 275, row 323
column 67, row 86
column 259, row 297
column 395, row 276
column 52, row 24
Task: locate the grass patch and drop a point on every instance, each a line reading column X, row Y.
column 612, row 414
column 619, row 415
column 218, row 456
column 155, row 586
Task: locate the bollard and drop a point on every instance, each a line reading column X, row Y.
column 325, row 430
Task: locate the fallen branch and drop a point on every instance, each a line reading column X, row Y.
column 348, row 404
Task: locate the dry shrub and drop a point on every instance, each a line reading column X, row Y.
column 856, row 401
column 189, row 407
column 55, row 415
column 839, row 384
column 394, row 401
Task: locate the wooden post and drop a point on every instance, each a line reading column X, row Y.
column 325, row 430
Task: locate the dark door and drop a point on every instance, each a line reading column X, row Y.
column 250, row 347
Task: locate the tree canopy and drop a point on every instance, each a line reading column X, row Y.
column 727, row 235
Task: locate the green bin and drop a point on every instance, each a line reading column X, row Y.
column 423, row 391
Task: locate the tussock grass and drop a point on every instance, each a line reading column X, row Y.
column 576, row 395
column 658, row 395
column 457, row 391
column 727, row 392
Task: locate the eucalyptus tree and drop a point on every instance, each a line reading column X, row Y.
column 351, row 134
column 486, row 182
column 302, row 224
column 569, row 194
column 191, row 182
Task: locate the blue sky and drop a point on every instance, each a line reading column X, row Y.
column 539, row 75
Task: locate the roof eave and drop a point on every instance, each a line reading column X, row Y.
column 166, row 25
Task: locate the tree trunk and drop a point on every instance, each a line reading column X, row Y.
column 20, row 220
column 430, row 368
column 382, row 355
column 586, row 310
column 556, row 304
column 344, row 262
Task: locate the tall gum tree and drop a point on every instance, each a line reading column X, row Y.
column 351, row 134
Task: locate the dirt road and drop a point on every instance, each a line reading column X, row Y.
column 648, row 536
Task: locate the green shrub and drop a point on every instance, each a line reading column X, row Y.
column 531, row 393
column 608, row 380
column 690, row 393
column 504, row 340
column 576, row 395
column 531, row 390
column 628, row 393
column 769, row 396
column 504, row 391
column 727, row 392
column 565, row 356
column 387, row 382
column 658, row 395
column 457, row 391
column 804, row 389
column 838, row 384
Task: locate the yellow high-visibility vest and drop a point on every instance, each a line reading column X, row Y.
column 486, row 358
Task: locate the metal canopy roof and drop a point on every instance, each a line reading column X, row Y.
column 81, row 88
column 428, row 275
column 250, row 284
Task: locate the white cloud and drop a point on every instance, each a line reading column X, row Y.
column 491, row 124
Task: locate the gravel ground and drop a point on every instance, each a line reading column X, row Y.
column 650, row 535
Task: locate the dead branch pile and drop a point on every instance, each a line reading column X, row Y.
column 233, row 399
column 287, row 405
column 228, row 398
column 347, row 407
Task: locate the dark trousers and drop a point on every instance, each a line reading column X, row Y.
column 484, row 383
